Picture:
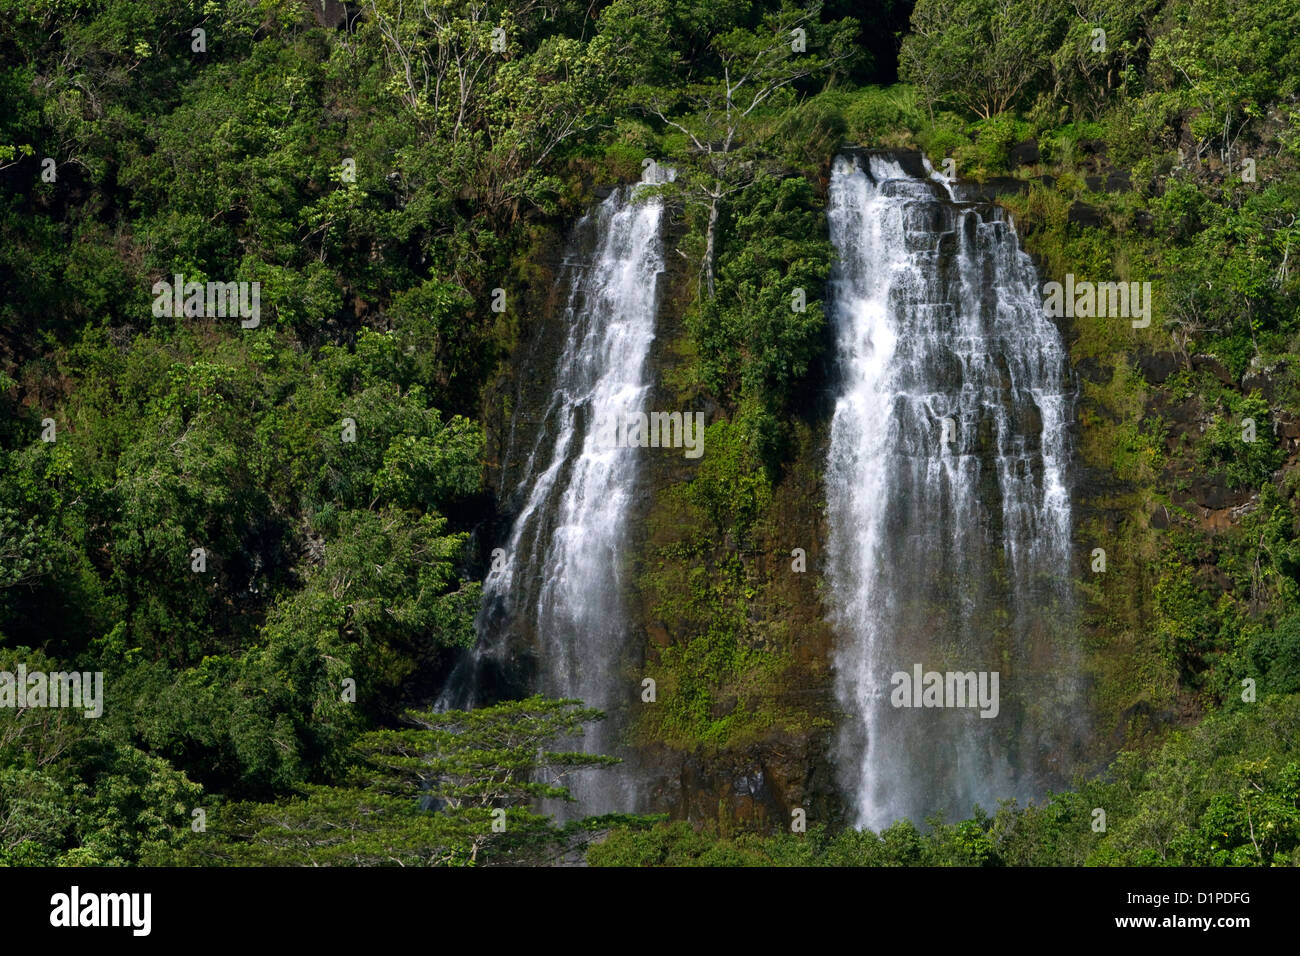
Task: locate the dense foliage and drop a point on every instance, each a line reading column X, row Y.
column 262, row 536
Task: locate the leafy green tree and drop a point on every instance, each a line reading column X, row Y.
column 36, row 817
column 387, row 585
column 760, row 336
column 979, row 55
column 1091, row 68
column 1275, row 657
column 453, row 789
column 1226, row 59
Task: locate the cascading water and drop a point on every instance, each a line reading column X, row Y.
column 948, row 507
column 558, row 589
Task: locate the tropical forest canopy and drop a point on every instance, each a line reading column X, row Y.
column 273, row 606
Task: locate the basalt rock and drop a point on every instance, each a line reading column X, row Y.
column 1025, row 154
column 1082, row 214
column 992, row 189
column 1091, row 370
column 1213, row 366
column 756, row 788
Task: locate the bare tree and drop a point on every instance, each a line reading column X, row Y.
column 719, row 119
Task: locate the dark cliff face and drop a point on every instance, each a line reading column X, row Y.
column 554, row 615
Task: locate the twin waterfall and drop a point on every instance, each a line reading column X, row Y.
column 948, row 509
column 946, row 488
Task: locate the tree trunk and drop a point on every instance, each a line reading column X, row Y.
column 709, row 244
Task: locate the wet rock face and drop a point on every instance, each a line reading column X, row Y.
column 910, row 161
column 755, row 785
column 758, row 785
column 757, row 788
column 553, row 620
column 515, row 414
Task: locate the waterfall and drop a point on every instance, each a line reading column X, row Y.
column 947, row 502
column 558, row 587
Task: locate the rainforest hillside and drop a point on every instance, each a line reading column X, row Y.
column 268, row 527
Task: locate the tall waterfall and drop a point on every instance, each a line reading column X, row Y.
column 558, row 587
column 948, row 506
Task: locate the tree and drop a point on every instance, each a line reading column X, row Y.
column 492, row 96
column 1086, row 73
column 753, row 343
column 979, row 55
column 446, row 790
column 721, row 127
column 1227, row 61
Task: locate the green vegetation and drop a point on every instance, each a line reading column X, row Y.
column 453, row 789
column 263, row 537
column 1226, row 793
